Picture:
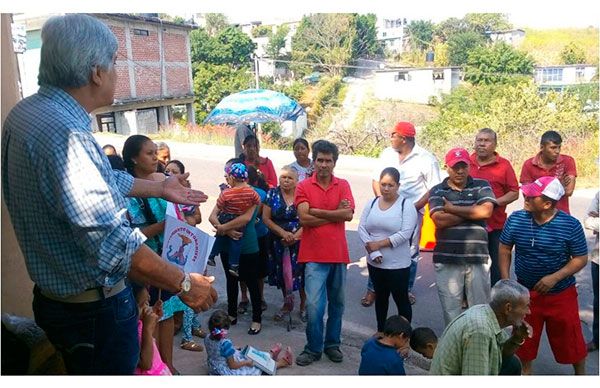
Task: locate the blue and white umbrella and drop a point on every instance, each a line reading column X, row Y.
column 255, row 105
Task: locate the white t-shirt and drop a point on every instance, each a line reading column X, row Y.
column 395, row 223
column 593, row 224
column 303, row 172
column 419, row 171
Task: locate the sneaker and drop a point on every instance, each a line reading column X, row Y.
column 334, row 354
column 305, row 358
column 233, row 270
column 211, row 261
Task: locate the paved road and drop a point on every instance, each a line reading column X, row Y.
column 205, row 164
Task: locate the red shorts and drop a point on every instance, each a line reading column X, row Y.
column 560, row 312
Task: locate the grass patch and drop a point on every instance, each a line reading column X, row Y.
column 545, row 45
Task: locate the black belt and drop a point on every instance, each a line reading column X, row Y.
column 91, row 295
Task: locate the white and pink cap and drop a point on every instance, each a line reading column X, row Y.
column 547, row 185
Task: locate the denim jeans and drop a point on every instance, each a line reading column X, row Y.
column 324, row 284
column 96, row 338
column 594, row 269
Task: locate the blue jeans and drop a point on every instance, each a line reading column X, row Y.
column 324, row 284
column 96, row 338
column 594, row 269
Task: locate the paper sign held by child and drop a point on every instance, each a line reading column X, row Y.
column 184, row 245
column 262, row 360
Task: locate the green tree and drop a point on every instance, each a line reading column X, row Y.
column 483, row 22
column 499, row 63
column 444, row 30
column 231, row 46
column 365, row 42
column 324, row 39
column 572, row 54
column 441, row 58
column 215, row 23
column 213, row 82
column 461, row 44
column 420, row 33
column 277, row 42
column 261, row 31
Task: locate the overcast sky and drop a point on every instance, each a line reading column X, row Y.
column 522, row 13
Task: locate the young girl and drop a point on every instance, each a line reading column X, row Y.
column 225, row 360
column 150, row 362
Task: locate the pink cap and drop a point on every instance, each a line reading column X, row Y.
column 404, row 128
column 456, row 155
column 547, row 185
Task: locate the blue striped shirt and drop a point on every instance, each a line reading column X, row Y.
column 66, row 203
column 541, row 250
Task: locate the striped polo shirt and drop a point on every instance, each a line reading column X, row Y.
column 467, row 242
column 541, row 250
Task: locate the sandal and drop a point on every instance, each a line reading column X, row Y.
column 280, row 315
column 275, row 350
column 411, row 298
column 243, row 307
column 368, row 299
column 303, row 316
column 198, row 332
column 288, row 356
column 192, row 346
column 263, row 305
column 253, row 331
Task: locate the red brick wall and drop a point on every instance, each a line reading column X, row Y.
column 175, row 47
column 145, row 48
column 178, row 80
column 147, row 81
column 120, row 34
column 123, row 89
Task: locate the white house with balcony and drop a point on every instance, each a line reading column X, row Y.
column 559, row 76
column 390, row 31
column 416, row 85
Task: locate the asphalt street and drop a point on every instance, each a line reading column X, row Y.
column 205, row 163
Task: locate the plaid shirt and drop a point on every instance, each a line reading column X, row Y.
column 471, row 344
column 66, row 204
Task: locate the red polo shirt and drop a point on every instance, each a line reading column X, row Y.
column 502, row 178
column 325, row 243
column 565, row 165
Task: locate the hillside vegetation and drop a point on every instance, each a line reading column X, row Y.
column 545, row 45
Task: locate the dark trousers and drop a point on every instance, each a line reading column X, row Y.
column 511, row 366
column 249, row 273
column 494, row 247
column 594, row 269
column 96, row 338
column 394, row 282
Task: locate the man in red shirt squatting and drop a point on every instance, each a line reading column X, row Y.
column 549, row 162
column 487, row 164
column 324, row 204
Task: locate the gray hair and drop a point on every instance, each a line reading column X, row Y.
column 507, row 291
column 161, row 145
column 72, row 46
column 290, row 169
column 489, row 131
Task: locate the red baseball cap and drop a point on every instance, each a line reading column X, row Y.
column 546, row 185
column 456, row 155
column 404, row 128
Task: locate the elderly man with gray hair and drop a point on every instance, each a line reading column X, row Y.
column 475, row 342
column 68, row 207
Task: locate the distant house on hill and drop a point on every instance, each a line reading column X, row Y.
column 153, row 66
column 416, row 84
column 511, row 37
column 390, row 31
column 559, row 76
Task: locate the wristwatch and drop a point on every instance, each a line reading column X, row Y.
column 186, row 283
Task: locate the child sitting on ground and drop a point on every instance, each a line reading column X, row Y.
column 380, row 356
column 150, row 362
column 224, row 359
column 424, row 341
column 232, row 203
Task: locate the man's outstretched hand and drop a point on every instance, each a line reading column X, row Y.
column 175, row 190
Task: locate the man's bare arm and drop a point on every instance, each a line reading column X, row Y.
column 307, row 219
column 473, row 212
